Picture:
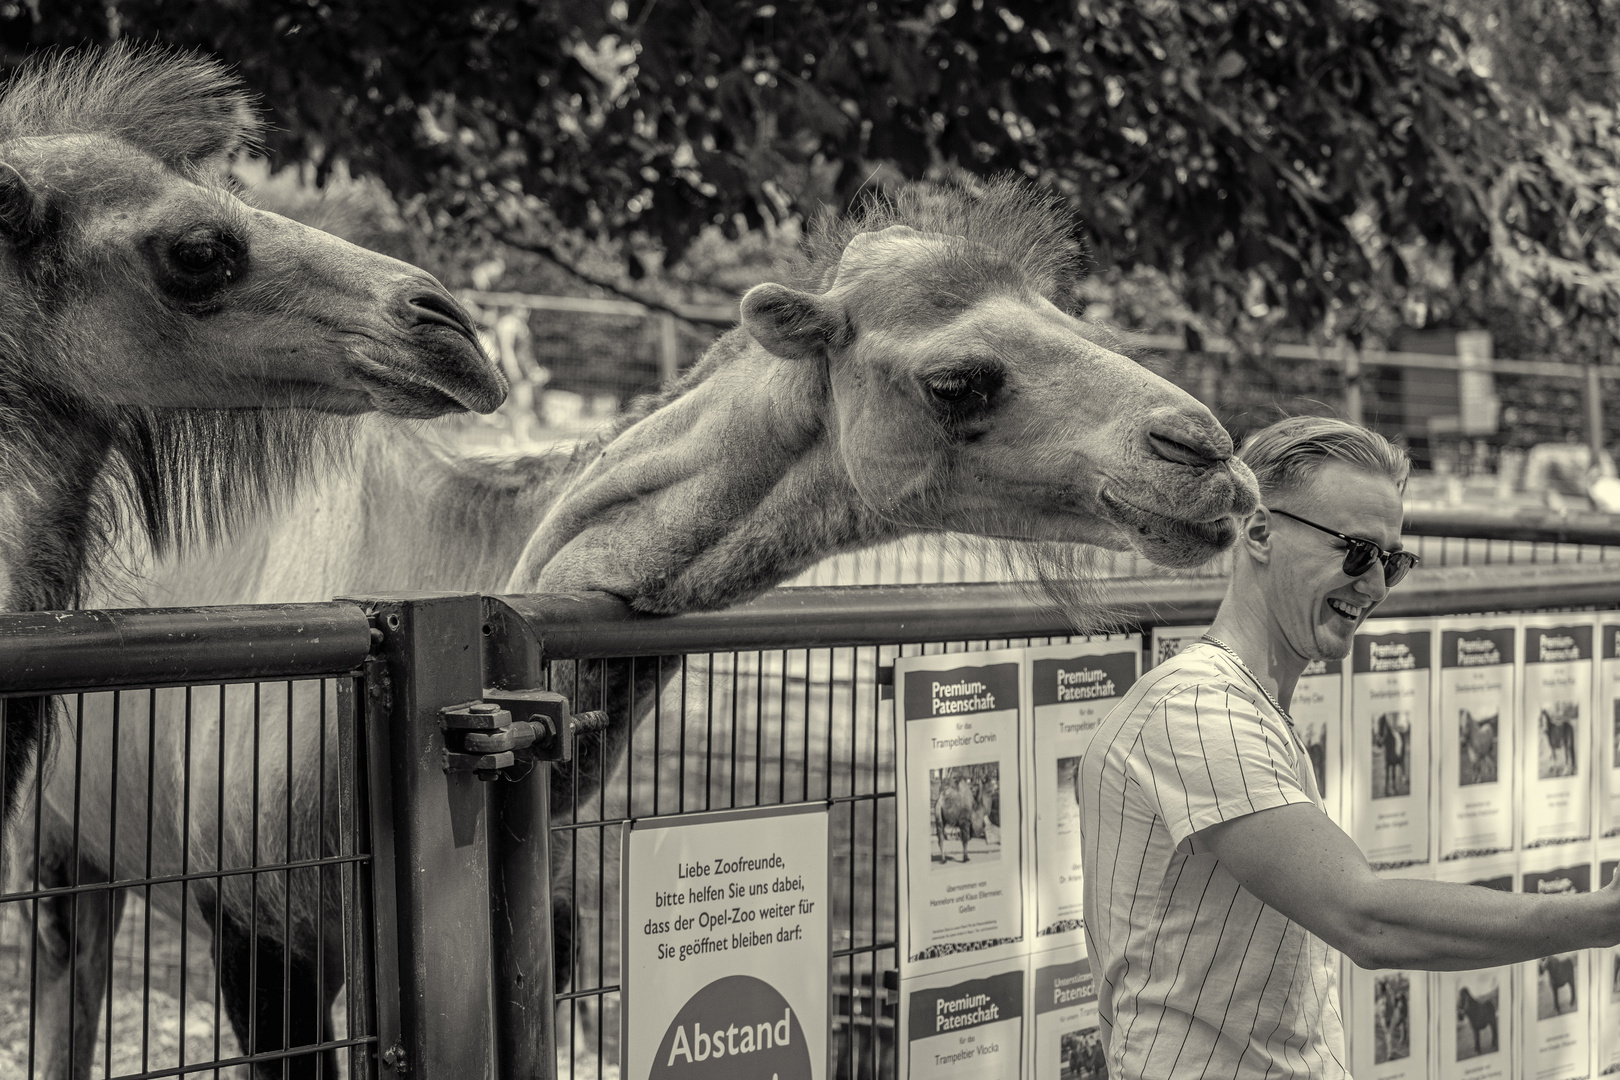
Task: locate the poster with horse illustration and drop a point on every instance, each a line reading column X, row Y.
column 1476, row 1010
column 1555, row 730
column 1389, row 741
column 1606, row 978
column 1555, row 1013
column 960, row 825
column 1389, row 1035
column 1072, row 687
column 1475, row 730
column 1607, row 716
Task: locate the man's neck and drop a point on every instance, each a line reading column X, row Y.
column 1242, row 624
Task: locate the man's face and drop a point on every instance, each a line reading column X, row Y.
column 1313, row 603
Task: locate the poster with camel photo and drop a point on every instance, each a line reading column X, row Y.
column 1476, row 694
column 960, row 825
column 1068, row 1044
column 1389, row 736
column 1555, row 730
column 964, row 1023
column 1476, row 1011
column 1072, row 687
column 1607, row 715
column 1606, row 977
column 1318, row 714
column 1555, row 1013
column 1167, row 641
column 1389, row 1035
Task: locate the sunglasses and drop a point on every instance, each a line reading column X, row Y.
column 1360, row 554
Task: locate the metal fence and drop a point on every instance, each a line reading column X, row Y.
column 437, row 902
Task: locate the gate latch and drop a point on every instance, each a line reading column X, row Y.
column 508, row 731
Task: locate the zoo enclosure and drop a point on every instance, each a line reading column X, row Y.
column 446, row 882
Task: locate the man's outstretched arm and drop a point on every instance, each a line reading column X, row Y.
column 1296, row 860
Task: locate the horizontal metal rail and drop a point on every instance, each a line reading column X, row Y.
column 53, row 651
column 582, row 626
column 1533, row 523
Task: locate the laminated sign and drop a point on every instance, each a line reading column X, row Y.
column 725, row 945
column 1389, row 742
column 1317, row 710
column 1556, row 1013
column 960, row 829
column 1068, row 1044
column 966, row 1024
column 1556, row 732
column 1389, row 1025
column 1072, row 687
column 1475, row 730
column 1607, row 719
column 1476, row 1009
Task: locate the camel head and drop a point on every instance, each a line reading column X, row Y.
column 134, row 277
column 962, row 398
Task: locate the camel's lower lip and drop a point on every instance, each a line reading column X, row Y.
column 1152, row 525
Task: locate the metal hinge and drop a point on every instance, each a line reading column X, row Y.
column 508, row 731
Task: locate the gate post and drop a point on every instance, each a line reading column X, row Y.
column 521, row 812
column 430, row 647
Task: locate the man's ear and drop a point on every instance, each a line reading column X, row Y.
column 792, row 324
column 1254, row 534
column 22, row 210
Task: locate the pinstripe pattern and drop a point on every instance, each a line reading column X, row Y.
column 1197, row 977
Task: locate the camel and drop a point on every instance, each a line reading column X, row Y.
column 920, row 376
column 172, row 360
column 162, row 342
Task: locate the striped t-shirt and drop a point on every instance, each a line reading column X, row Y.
column 1198, row 978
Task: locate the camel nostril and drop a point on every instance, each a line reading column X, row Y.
column 434, row 307
column 1180, row 453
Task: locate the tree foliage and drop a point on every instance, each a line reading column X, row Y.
column 1310, row 163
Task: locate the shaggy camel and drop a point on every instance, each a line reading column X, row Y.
column 921, row 377
column 143, row 300
column 164, row 346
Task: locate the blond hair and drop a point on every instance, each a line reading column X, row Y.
column 1287, row 455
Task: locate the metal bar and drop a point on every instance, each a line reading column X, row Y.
column 441, row 842
column 1532, row 523
column 85, row 650
column 569, row 626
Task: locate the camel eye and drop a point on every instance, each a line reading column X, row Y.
column 201, row 262
column 964, row 388
column 950, row 390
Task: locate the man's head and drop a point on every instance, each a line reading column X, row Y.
column 1319, row 476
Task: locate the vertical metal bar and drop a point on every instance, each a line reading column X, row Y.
column 253, row 880
column 146, row 906
column 367, row 750
column 1351, row 357
column 669, row 350
column 219, row 865
column 1594, row 412
column 287, row 856
column 322, row 1011
column 185, row 883
column 431, row 646
column 112, row 873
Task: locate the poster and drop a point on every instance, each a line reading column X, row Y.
column 726, row 937
column 1167, row 641
column 966, row 1024
column 1606, row 980
column 959, row 817
column 1317, row 710
column 1068, row 1044
column 1556, row 1010
column 1389, row 742
column 1607, row 719
column 1555, row 730
column 1389, row 1024
column 1475, row 729
column 1476, row 1009
column 1072, row 687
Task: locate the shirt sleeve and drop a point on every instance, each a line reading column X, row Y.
column 1209, row 753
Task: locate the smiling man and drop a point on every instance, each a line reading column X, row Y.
column 1216, row 887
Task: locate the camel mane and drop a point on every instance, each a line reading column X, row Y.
column 182, row 108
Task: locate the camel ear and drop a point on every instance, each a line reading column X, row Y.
column 792, row 324
column 22, row 211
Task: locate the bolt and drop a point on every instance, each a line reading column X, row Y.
column 484, row 708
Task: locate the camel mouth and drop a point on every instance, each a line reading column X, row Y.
column 406, row 393
column 1169, row 541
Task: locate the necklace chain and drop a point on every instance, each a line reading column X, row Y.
column 1233, row 653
